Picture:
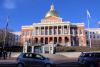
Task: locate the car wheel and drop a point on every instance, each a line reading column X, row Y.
column 20, row 65
column 92, row 65
column 48, row 65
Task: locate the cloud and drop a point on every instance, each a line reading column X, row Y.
column 9, row 4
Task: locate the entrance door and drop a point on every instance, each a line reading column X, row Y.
column 55, row 40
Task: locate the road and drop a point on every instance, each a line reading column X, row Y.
column 71, row 62
column 12, row 63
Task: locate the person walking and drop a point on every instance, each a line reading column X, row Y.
column 0, row 54
column 10, row 54
column 4, row 54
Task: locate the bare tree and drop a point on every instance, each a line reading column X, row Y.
column 8, row 38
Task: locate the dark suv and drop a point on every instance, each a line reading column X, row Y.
column 90, row 59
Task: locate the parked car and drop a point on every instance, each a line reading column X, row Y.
column 35, row 60
column 90, row 59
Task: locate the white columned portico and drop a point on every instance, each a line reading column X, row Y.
column 69, row 43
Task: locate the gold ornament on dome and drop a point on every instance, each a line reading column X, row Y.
column 51, row 12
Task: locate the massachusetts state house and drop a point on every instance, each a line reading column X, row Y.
column 52, row 29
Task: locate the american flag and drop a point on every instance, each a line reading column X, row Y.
column 88, row 14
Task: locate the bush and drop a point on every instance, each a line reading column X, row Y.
column 76, row 49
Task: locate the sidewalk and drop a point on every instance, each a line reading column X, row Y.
column 57, row 57
column 54, row 57
column 7, row 61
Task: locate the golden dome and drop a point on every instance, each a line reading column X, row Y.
column 51, row 12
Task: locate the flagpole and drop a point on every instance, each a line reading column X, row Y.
column 5, row 32
column 88, row 19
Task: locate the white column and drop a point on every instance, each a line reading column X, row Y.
column 25, row 47
column 44, row 30
column 34, row 31
column 32, row 49
column 69, row 29
column 43, row 50
column 52, row 30
column 69, row 43
column 50, row 49
column 57, row 30
column 48, row 30
column 63, row 29
column 40, row 30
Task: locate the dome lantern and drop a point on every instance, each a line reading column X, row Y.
column 51, row 12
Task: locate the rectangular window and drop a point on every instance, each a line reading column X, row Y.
column 50, row 31
column 46, row 31
column 59, row 31
column 42, row 32
column 65, row 31
column 55, row 31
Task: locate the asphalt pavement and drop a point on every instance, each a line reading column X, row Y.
column 12, row 63
column 70, row 62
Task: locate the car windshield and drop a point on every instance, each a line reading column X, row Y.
column 90, row 55
column 97, row 55
column 30, row 55
column 85, row 55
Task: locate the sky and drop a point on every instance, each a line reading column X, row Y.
column 27, row 12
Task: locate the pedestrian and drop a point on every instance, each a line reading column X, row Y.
column 10, row 54
column 0, row 54
column 4, row 54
